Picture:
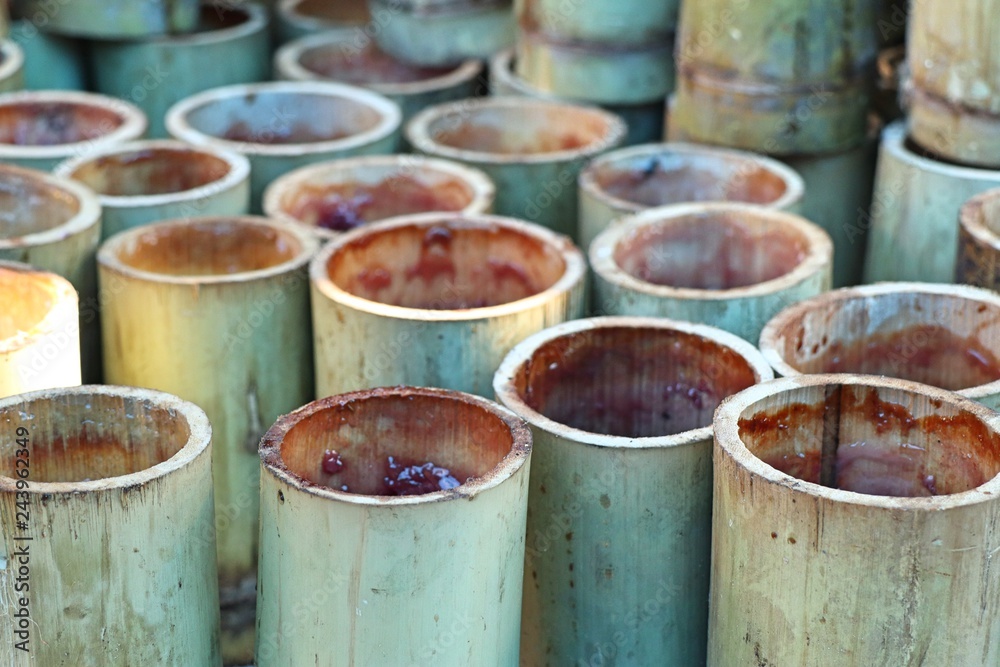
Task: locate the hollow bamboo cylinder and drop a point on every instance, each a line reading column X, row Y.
column 532, row 149
column 333, row 56
column 345, row 576
column 630, row 180
column 853, row 520
column 941, row 335
column 280, row 126
column 54, row 224
column 228, row 46
column 436, row 299
column 978, row 241
column 298, row 18
column 51, row 62
column 106, row 524
column 148, row 181
column 915, row 206
column 619, row 508
column 733, row 266
column 11, row 66
column 39, row 330
column 112, row 19
column 216, row 311
column 333, row 197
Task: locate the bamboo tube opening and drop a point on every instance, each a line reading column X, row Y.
column 32, row 202
column 205, row 247
column 438, row 263
column 366, row 66
column 876, row 436
column 151, row 170
column 939, row 335
column 91, row 434
column 474, row 440
column 51, row 123
column 27, row 298
column 222, row 17
column 349, row 11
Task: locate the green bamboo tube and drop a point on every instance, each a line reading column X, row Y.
column 118, row 487
column 11, row 66
column 630, row 180
column 54, row 224
column 733, row 266
column 362, row 578
column 51, row 62
column 112, row 19
column 298, row 18
column 978, row 241
column 333, row 56
column 941, row 335
column 436, row 299
column 605, row 22
column 280, row 126
column 618, row 532
column 853, row 519
column 916, row 205
column 140, row 182
column 532, row 149
column 157, row 73
column 332, row 197
column 216, row 311
column 39, row 330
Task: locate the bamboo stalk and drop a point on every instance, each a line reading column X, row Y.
column 436, row 299
column 113, row 19
column 978, row 242
column 216, row 311
column 298, row 18
column 11, row 66
column 618, row 532
column 39, row 330
column 941, row 335
column 115, row 492
column 361, row 578
column 733, row 266
column 886, row 564
column 140, row 182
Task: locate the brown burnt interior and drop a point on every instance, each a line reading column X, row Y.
column 151, row 171
column 631, row 382
column 939, row 340
column 711, row 251
column 25, row 299
column 54, row 123
column 672, row 178
column 986, row 211
column 343, row 11
column 29, row 206
column 510, row 130
column 450, row 266
column 460, row 436
column 871, row 440
column 218, row 247
column 368, row 65
column 221, row 16
column 89, row 437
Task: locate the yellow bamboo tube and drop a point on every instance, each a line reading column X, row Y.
column 979, row 241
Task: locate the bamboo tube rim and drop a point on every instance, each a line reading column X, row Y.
column 727, row 439
column 288, row 65
column 86, row 215
column 11, row 58
column 573, row 273
column 237, row 172
column 62, row 308
column 522, row 353
column 196, row 421
column 769, row 335
column 973, row 218
column 588, row 182
column 108, row 254
column 521, row 445
column 390, row 116
column 133, row 122
column 819, row 252
column 273, row 200
column 502, row 71
column 256, row 20
column 419, row 130
column 895, row 140
column 288, row 10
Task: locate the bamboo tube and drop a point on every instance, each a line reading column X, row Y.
column 11, row 66
column 106, row 524
column 941, row 335
column 54, row 224
column 147, row 181
column 156, row 73
column 915, row 205
column 51, row 62
column 298, row 18
column 608, row 22
column 216, row 311
column 113, row 19
column 280, row 126
column 733, row 266
column 333, row 197
column 363, row 578
column 630, row 180
column 978, row 241
column 853, row 521
column 39, row 330
column 333, row 56
column 620, row 492
column 436, row 299
column 532, row 149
